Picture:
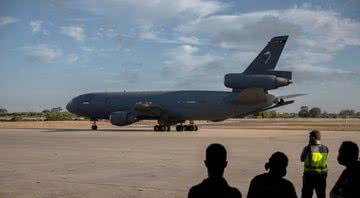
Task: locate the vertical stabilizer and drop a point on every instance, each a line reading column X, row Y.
column 268, row 57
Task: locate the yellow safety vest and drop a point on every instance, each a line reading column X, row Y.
column 316, row 161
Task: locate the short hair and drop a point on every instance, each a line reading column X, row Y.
column 315, row 133
column 216, row 153
column 351, row 149
column 277, row 160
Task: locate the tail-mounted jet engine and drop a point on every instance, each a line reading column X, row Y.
column 122, row 118
column 244, row 81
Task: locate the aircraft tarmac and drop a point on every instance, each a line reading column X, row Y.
column 137, row 162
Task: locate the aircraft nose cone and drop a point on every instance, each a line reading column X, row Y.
column 70, row 106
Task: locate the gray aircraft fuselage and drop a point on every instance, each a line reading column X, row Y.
column 182, row 105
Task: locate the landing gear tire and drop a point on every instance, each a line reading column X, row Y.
column 191, row 127
column 179, row 128
column 94, row 127
column 161, row 128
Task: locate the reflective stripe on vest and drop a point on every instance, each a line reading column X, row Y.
column 316, row 162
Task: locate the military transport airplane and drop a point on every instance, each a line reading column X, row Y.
column 249, row 95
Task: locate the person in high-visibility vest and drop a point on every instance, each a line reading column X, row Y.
column 314, row 157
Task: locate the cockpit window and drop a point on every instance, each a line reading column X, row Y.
column 85, row 97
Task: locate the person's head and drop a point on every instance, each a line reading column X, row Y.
column 215, row 160
column 277, row 164
column 314, row 136
column 348, row 153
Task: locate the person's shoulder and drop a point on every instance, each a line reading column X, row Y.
column 288, row 184
column 324, row 147
column 258, row 179
column 198, row 186
column 196, row 189
column 261, row 176
column 235, row 192
column 307, row 146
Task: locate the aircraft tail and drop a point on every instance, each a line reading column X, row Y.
column 266, row 61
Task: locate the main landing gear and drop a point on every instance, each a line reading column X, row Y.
column 190, row 127
column 94, row 126
column 179, row 128
column 162, row 128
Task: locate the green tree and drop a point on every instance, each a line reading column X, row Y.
column 59, row 116
column 46, row 111
column 347, row 113
column 304, row 112
column 315, row 112
column 324, row 114
column 56, row 109
column 3, row 111
column 357, row 114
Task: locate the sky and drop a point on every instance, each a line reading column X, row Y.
column 52, row 50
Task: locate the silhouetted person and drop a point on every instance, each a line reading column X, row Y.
column 314, row 157
column 215, row 185
column 272, row 183
column 348, row 184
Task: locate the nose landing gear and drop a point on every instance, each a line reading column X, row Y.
column 94, row 126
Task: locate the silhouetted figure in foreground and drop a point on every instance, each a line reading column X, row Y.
column 348, row 184
column 314, row 157
column 272, row 183
column 215, row 185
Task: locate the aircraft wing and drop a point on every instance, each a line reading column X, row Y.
column 149, row 108
column 250, row 96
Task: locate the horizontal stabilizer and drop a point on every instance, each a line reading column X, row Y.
column 282, row 98
column 279, row 105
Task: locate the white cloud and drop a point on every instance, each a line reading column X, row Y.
column 192, row 40
column 313, row 29
column 42, row 52
column 149, row 36
column 5, row 20
column 74, row 32
column 72, row 58
column 188, row 49
column 88, row 48
column 185, row 59
column 151, row 11
column 316, row 36
column 35, row 26
column 162, row 38
column 317, row 69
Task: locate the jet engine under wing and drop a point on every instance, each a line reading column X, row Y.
column 250, row 96
column 149, row 108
